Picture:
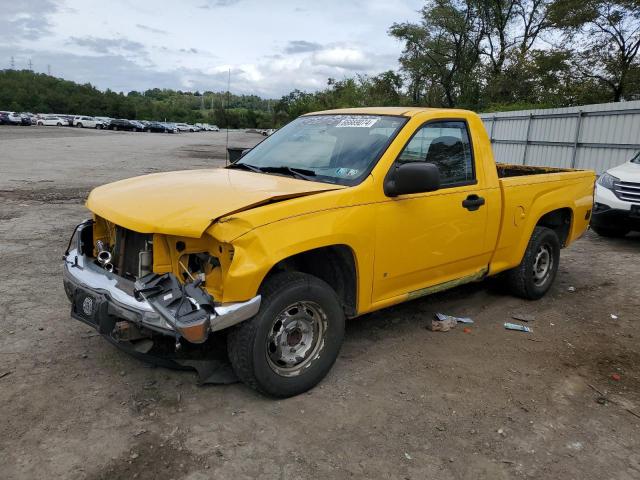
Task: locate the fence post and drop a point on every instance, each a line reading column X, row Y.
column 576, row 139
column 526, row 140
column 493, row 124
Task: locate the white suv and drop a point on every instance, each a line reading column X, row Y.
column 616, row 210
column 81, row 121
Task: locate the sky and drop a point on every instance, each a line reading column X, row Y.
column 270, row 46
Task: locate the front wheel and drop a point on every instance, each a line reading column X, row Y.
column 535, row 274
column 293, row 341
column 79, row 125
column 611, row 232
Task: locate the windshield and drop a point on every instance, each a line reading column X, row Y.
column 325, row 148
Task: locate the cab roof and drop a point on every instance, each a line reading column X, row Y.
column 403, row 111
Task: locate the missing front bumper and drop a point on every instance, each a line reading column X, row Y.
column 100, row 298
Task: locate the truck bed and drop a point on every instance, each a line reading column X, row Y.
column 506, row 170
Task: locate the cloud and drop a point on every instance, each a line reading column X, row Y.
column 26, row 19
column 219, row 3
column 343, row 57
column 147, row 28
column 301, row 46
column 108, row 45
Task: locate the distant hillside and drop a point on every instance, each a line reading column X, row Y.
column 26, row 91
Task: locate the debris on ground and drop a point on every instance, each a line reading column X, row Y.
column 615, row 376
column 518, row 327
column 2, row 375
column 407, row 456
column 441, row 317
column 614, row 316
column 466, row 330
column 523, row 317
column 571, row 289
column 437, row 325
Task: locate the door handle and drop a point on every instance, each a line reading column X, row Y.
column 473, row 202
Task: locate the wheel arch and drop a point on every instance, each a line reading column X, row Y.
column 334, row 264
column 558, row 220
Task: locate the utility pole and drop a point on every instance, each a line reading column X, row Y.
column 13, row 63
column 30, row 65
column 48, row 69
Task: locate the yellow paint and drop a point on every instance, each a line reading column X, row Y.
column 403, row 247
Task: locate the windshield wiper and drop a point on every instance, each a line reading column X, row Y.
column 246, row 166
column 295, row 172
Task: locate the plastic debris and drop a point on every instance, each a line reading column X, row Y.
column 571, row 289
column 615, row 376
column 436, row 325
column 515, row 326
column 614, row 316
column 466, row 330
column 523, row 317
column 441, row 317
column 407, row 456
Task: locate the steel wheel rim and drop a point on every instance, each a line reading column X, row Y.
column 542, row 265
column 295, row 338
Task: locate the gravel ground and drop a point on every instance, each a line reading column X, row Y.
column 401, row 402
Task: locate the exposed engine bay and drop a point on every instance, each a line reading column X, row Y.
column 178, row 297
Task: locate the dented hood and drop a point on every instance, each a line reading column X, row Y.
column 185, row 203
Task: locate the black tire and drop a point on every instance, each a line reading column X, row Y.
column 78, row 125
column 611, row 232
column 59, row 124
column 99, row 126
column 252, row 344
column 115, row 129
column 527, row 280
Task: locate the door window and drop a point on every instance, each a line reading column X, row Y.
column 448, row 147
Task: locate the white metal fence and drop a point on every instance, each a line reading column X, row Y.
column 594, row 137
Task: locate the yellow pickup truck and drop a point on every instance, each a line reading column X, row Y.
column 337, row 214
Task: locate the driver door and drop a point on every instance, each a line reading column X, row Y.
column 427, row 239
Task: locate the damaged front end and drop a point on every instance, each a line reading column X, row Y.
column 109, row 280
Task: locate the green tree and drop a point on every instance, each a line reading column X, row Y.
column 605, row 35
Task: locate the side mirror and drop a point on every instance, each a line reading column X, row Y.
column 245, row 151
column 414, row 177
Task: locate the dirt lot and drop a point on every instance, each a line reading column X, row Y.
column 401, row 402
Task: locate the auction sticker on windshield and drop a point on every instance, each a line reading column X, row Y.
column 357, row 122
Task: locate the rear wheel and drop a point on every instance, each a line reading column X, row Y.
column 79, row 125
column 293, row 341
column 612, row 232
column 59, row 124
column 535, row 274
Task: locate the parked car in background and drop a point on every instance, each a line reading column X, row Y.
column 105, row 121
column 171, row 127
column 7, row 118
column 138, row 126
column 616, row 211
column 67, row 119
column 25, row 119
column 81, row 121
column 185, row 127
column 11, row 118
column 51, row 121
column 215, row 128
column 156, row 127
column 122, row 124
column 269, row 131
